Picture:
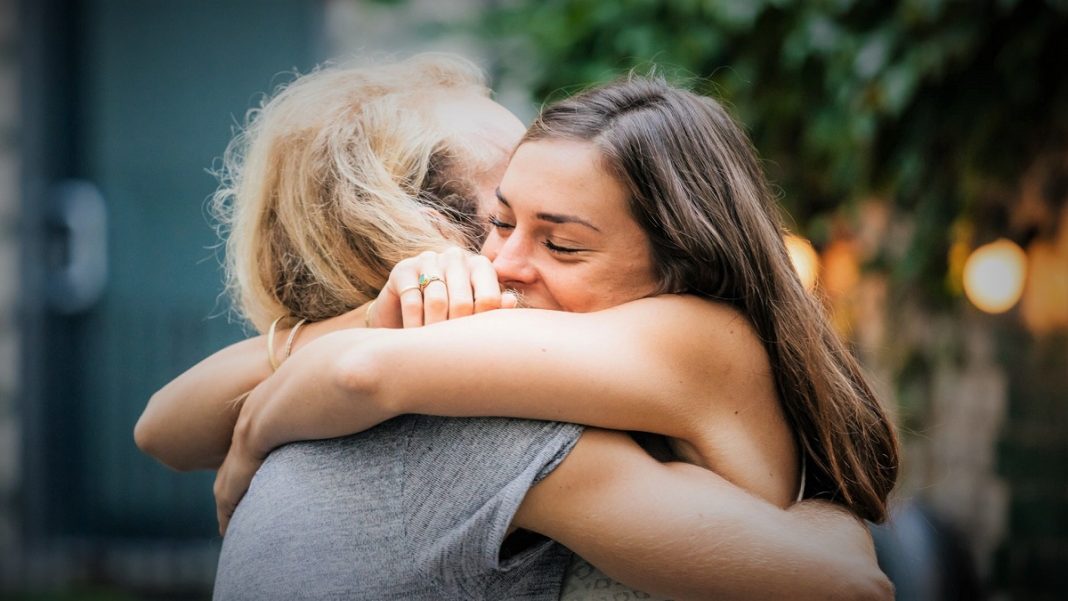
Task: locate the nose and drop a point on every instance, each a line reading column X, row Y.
column 511, row 258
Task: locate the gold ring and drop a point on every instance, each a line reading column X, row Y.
column 409, row 289
column 425, row 280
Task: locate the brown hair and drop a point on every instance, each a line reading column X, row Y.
column 697, row 190
column 339, row 175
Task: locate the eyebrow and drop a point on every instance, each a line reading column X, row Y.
column 552, row 217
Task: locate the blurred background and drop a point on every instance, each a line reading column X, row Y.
column 919, row 147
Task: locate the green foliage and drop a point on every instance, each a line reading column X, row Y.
column 932, row 104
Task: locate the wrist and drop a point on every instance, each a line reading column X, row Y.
column 318, row 329
column 249, row 433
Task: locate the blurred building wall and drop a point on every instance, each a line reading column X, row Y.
column 368, row 31
column 91, row 76
column 9, row 271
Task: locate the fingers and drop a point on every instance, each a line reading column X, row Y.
column 432, row 268
column 458, row 278
column 454, row 284
column 509, row 299
column 404, row 285
column 231, row 483
column 223, row 507
column 224, row 519
column 386, row 311
column 484, row 281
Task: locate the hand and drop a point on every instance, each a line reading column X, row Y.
column 462, row 284
column 235, row 474
column 846, row 536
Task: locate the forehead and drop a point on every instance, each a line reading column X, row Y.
column 564, row 176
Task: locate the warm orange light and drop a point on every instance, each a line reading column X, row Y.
column 994, row 276
column 1044, row 306
column 804, row 258
column 841, row 269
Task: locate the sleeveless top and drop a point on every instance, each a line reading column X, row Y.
column 583, row 582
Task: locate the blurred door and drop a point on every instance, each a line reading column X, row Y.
column 135, row 100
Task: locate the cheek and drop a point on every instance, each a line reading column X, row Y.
column 572, row 291
column 579, row 290
column 616, row 283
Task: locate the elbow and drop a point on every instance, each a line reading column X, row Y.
column 143, row 435
column 149, row 438
column 146, row 433
column 358, row 374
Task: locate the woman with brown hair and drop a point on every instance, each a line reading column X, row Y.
column 605, row 210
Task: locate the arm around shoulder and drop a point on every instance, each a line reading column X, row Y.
column 681, row 531
column 640, row 366
column 187, row 424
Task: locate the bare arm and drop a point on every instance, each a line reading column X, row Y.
column 640, row 366
column 681, row 531
column 188, row 424
column 643, row 366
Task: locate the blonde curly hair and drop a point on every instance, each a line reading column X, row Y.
column 339, row 175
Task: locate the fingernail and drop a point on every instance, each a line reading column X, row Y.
column 516, row 297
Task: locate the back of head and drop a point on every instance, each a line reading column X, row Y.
column 697, row 190
column 339, row 175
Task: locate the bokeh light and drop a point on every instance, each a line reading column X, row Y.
column 806, row 261
column 994, row 276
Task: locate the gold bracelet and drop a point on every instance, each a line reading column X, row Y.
column 270, row 342
column 292, row 337
column 367, row 313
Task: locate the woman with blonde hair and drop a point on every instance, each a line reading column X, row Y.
column 465, row 484
column 335, row 179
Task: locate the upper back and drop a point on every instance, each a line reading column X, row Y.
column 408, row 510
column 741, row 429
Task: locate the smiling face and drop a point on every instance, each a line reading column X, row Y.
column 562, row 233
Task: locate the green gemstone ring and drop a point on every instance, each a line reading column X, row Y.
column 425, row 280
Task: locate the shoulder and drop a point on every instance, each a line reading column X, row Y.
column 484, row 453
column 464, row 479
column 687, row 314
column 465, row 462
column 714, row 339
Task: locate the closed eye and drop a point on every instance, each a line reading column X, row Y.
column 561, row 249
column 496, row 222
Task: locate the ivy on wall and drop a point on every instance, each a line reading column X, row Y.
column 936, row 106
column 952, row 116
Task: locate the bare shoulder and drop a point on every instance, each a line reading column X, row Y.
column 723, row 379
column 689, row 312
column 699, row 333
